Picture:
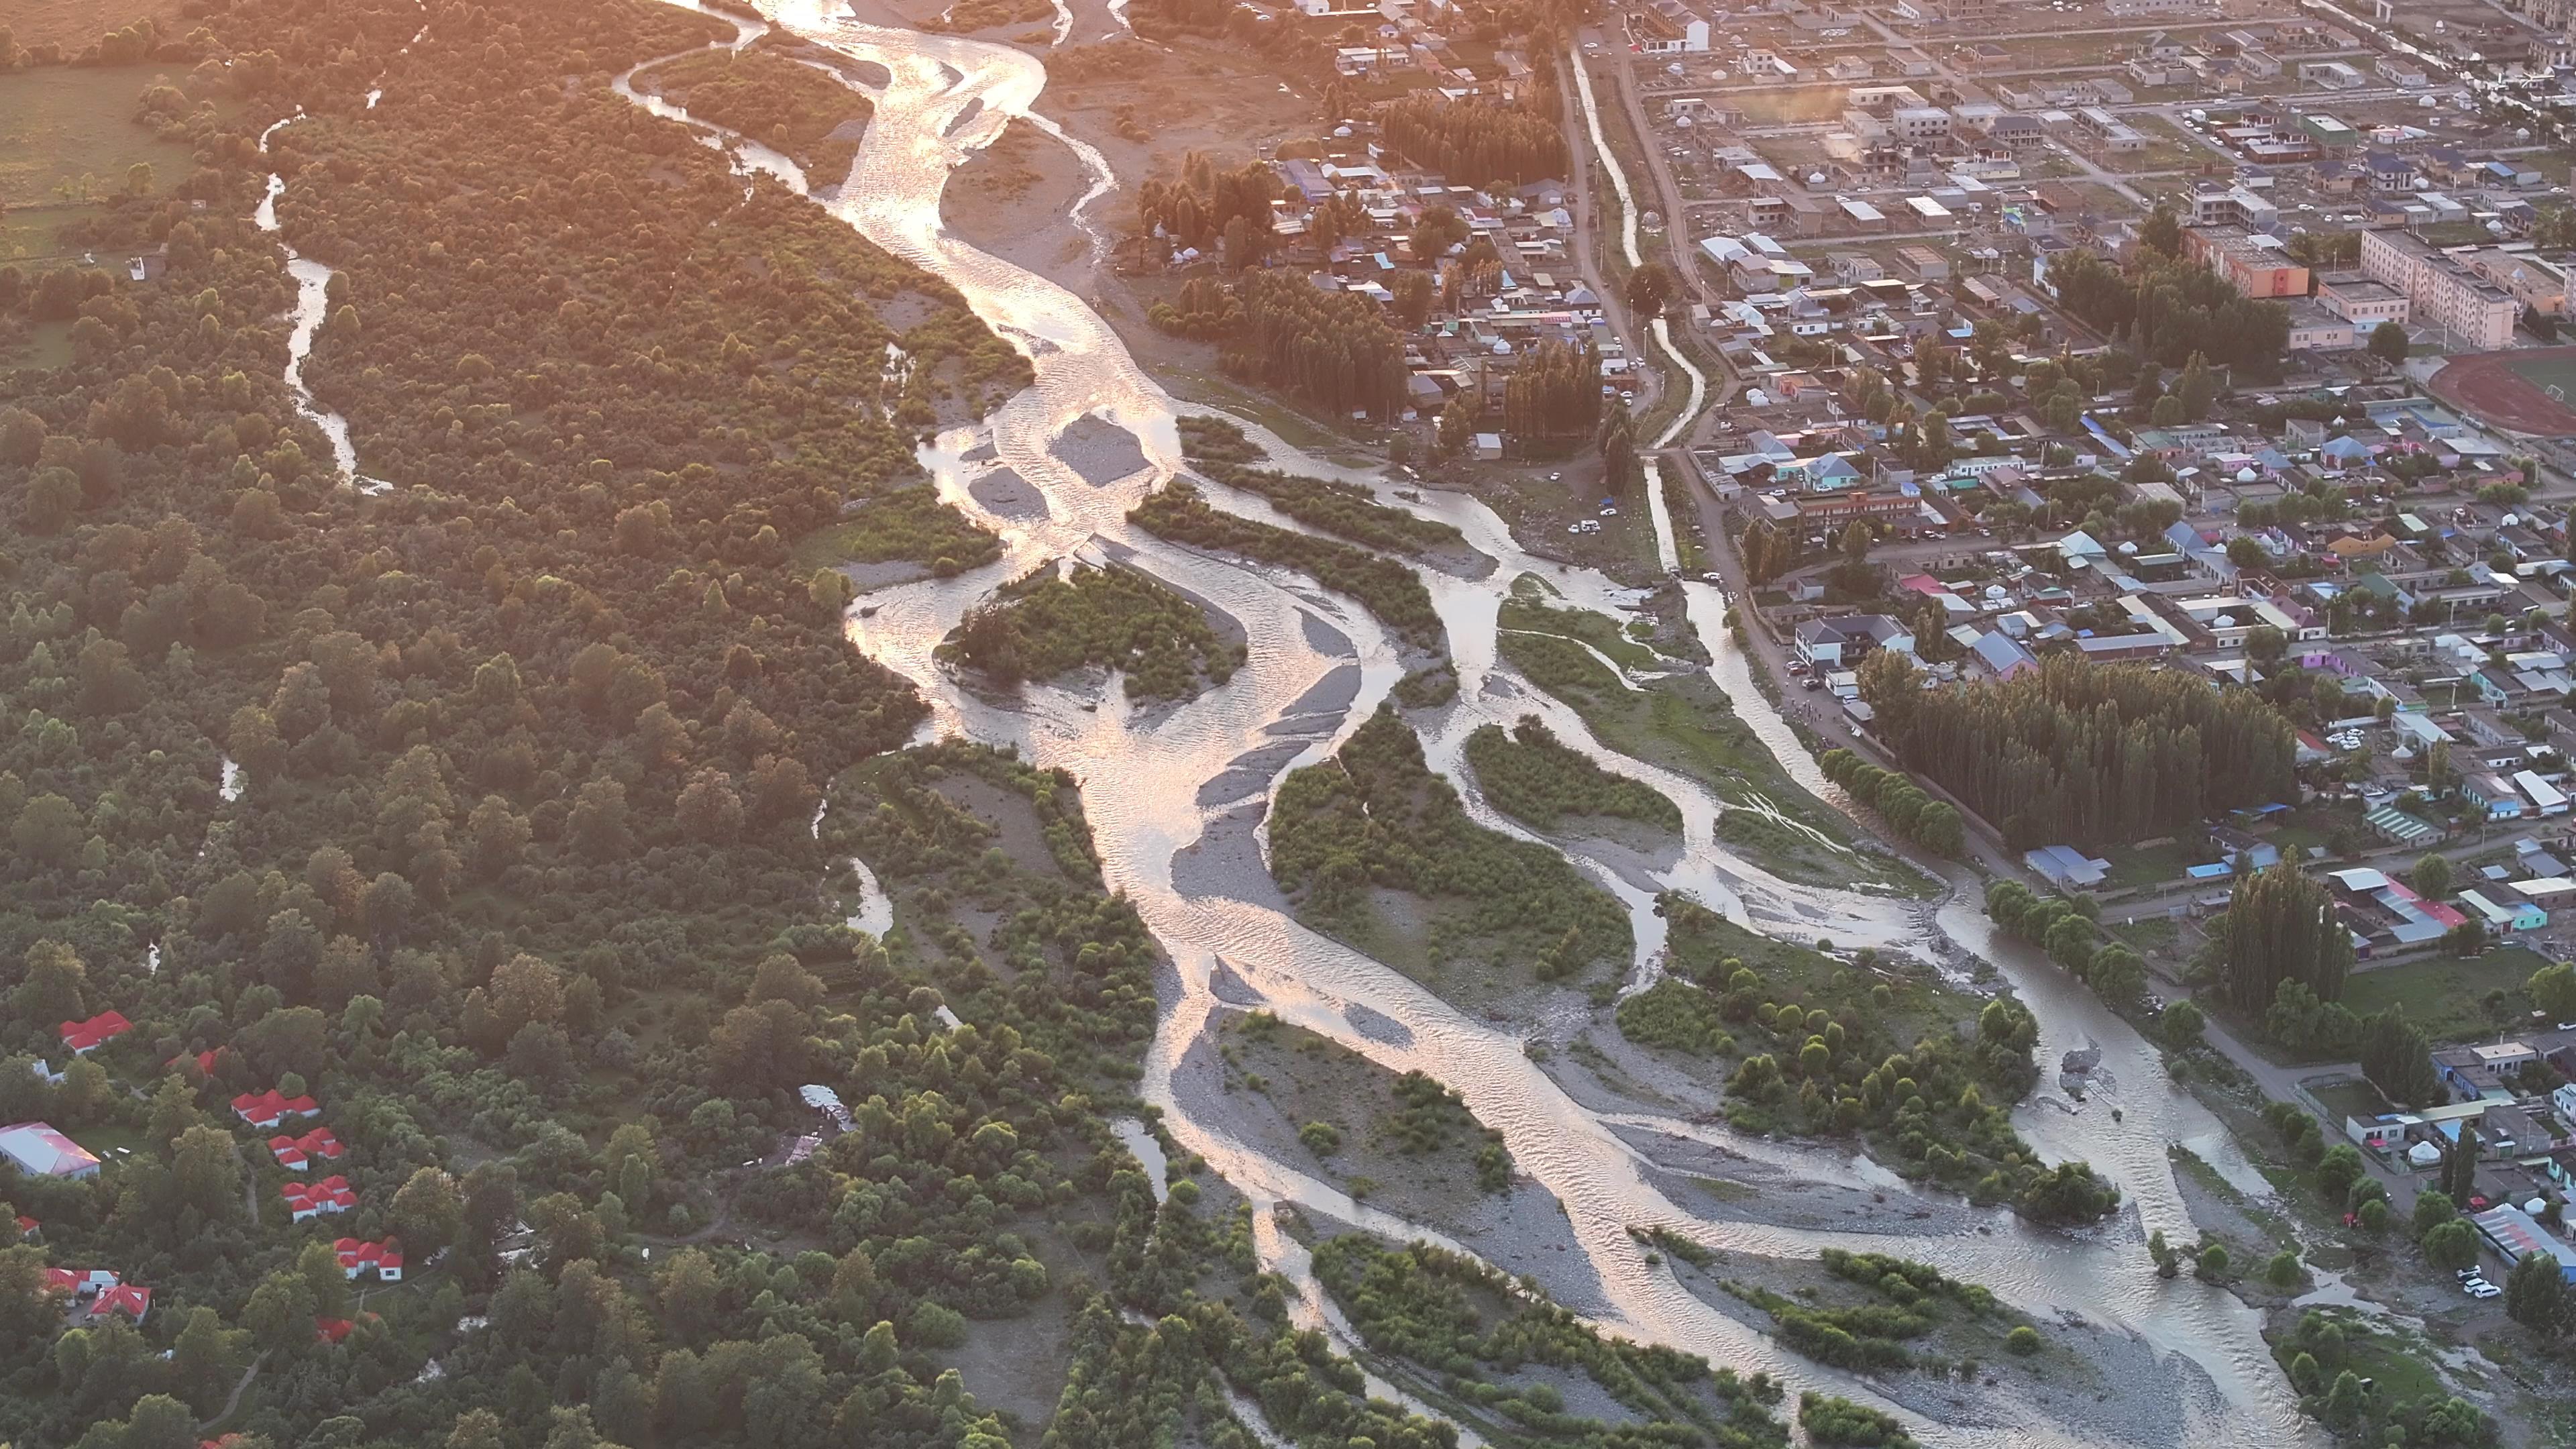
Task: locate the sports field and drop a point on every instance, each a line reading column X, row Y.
column 2552, row 373
column 2511, row 390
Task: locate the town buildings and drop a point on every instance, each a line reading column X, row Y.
column 2441, row 290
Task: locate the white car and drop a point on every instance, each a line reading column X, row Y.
column 2483, row 1291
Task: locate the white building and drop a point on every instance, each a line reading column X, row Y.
column 37, row 1150
column 2442, row 292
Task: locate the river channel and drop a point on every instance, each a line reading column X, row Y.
column 1157, row 782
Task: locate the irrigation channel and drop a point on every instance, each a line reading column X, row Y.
column 1175, row 796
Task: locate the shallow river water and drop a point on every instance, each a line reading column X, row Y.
column 1318, row 665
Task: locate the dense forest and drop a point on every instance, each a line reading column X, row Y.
column 1376, row 816
column 2086, row 753
column 483, row 811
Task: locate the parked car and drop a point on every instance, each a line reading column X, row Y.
column 2484, row 1290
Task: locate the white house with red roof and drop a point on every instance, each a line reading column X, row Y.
column 295, row 1154
column 84, row 1037
column 384, row 1260
column 37, row 1150
column 267, row 1110
column 308, row 1200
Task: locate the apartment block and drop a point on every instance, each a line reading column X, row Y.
column 2536, row 282
column 2236, row 206
column 2443, row 291
column 1918, row 124
column 2251, row 268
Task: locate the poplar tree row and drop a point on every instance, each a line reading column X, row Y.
column 1193, row 211
column 2084, row 752
column 1334, row 349
column 1555, row 393
column 1480, row 140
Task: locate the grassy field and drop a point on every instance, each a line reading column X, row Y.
column 2156, row 865
column 105, row 1142
column 2447, row 998
column 76, row 25
column 46, row 344
column 2548, row 372
column 2353, row 1099
column 66, row 137
column 2149, row 935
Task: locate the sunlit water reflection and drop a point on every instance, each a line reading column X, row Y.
column 1313, row 653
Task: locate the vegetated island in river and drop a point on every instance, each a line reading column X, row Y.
column 779, row 101
column 1219, row 449
column 1386, row 587
column 1872, row 1050
column 1378, row 850
column 1534, row 777
column 1058, row 619
column 1678, row 718
column 1399, row 1140
column 1495, row 1355
column 1946, row 1349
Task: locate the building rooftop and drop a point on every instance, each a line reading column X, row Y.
column 40, row 1151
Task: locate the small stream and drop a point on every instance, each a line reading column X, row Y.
column 313, row 304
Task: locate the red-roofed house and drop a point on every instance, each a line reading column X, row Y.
column 311, row 1200
column 28, row 1227
column 125, row 1298
column 84, row 1037
column 297, row 1153
column 79, row 1282
column 268, row 1109
column 332, row 1330
column 205, row 1061
column 384, row 1259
